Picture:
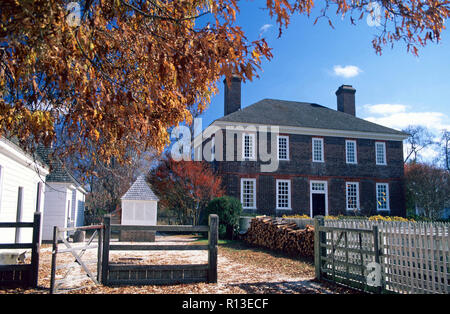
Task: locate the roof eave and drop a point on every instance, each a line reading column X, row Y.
column 400, row 136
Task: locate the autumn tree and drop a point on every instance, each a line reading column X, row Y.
column 185, row 187
column 114, row 75
column 445, row 149
column 427, row 188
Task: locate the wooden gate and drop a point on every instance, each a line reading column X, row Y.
column 348, row 256
column 72, row 275
column 24, row 275
column 119, row 274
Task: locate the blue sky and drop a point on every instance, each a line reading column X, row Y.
column 394, row 89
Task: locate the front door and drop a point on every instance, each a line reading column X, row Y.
column 318, row 204
column 318, row 198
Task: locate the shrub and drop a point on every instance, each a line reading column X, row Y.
column 229, row 210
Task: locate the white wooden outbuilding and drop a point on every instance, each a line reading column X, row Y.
column 22, row 181
column 139, row 204
column 64, row 197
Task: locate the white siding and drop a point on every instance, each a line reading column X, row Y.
column 57, row 196
column 78, row 208
column 139, row 212
column 16, row 173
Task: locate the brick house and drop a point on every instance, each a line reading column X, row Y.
column 286, row 157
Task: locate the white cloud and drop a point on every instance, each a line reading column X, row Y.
column 384, row 109
column 346, row 71
column 398, row 116
column 264, row 29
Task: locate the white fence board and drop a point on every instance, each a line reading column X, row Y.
column 415, row 255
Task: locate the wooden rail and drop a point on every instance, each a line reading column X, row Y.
column 24, row 275
column 66, row 281
column 115, row 274
column 343, row 255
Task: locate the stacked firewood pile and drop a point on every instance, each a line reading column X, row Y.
column 279, row 235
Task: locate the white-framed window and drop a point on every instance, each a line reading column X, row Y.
column 352, row 195
column 248, row 193
column 317, row 149
column 318, row 186
column 283, row 194
column 283, row 147
column 382, row 196
column 380, row 153
column 248, row 146
column 350, row 152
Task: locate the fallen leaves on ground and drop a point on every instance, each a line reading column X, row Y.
column 241, row 269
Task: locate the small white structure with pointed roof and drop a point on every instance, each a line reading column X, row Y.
column 139, row 204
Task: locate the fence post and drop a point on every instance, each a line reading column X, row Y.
column 54, row 252
column 376, row 248
column 318, row 238
column 105, row 255
column 35, row 250
column 213, row 238
column 100, row 254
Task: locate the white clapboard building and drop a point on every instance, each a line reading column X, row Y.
column 64, row 198
column 22, row 181
column 139, row 207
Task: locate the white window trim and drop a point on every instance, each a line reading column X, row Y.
column 322, row 150
column 254, row 192
column 287, row 147
column 388, row 206
column 346, row 152
column 311, row 192
column 384, row 154
column 252, row 135
column 357, row 196
column 289, row 195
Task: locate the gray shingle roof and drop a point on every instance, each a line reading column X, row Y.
column 302, row 114
column 140, row 191
column 58, row 172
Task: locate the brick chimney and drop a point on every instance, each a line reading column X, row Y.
column 346, row 99
column 232, row 100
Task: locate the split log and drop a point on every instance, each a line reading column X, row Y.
column 279, row 235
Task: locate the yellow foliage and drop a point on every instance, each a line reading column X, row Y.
column 297, row 216
column 389, row 218
column 371, row 218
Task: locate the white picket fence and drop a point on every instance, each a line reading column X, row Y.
column 415, row 255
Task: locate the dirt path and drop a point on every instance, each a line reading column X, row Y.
column 240, row 270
